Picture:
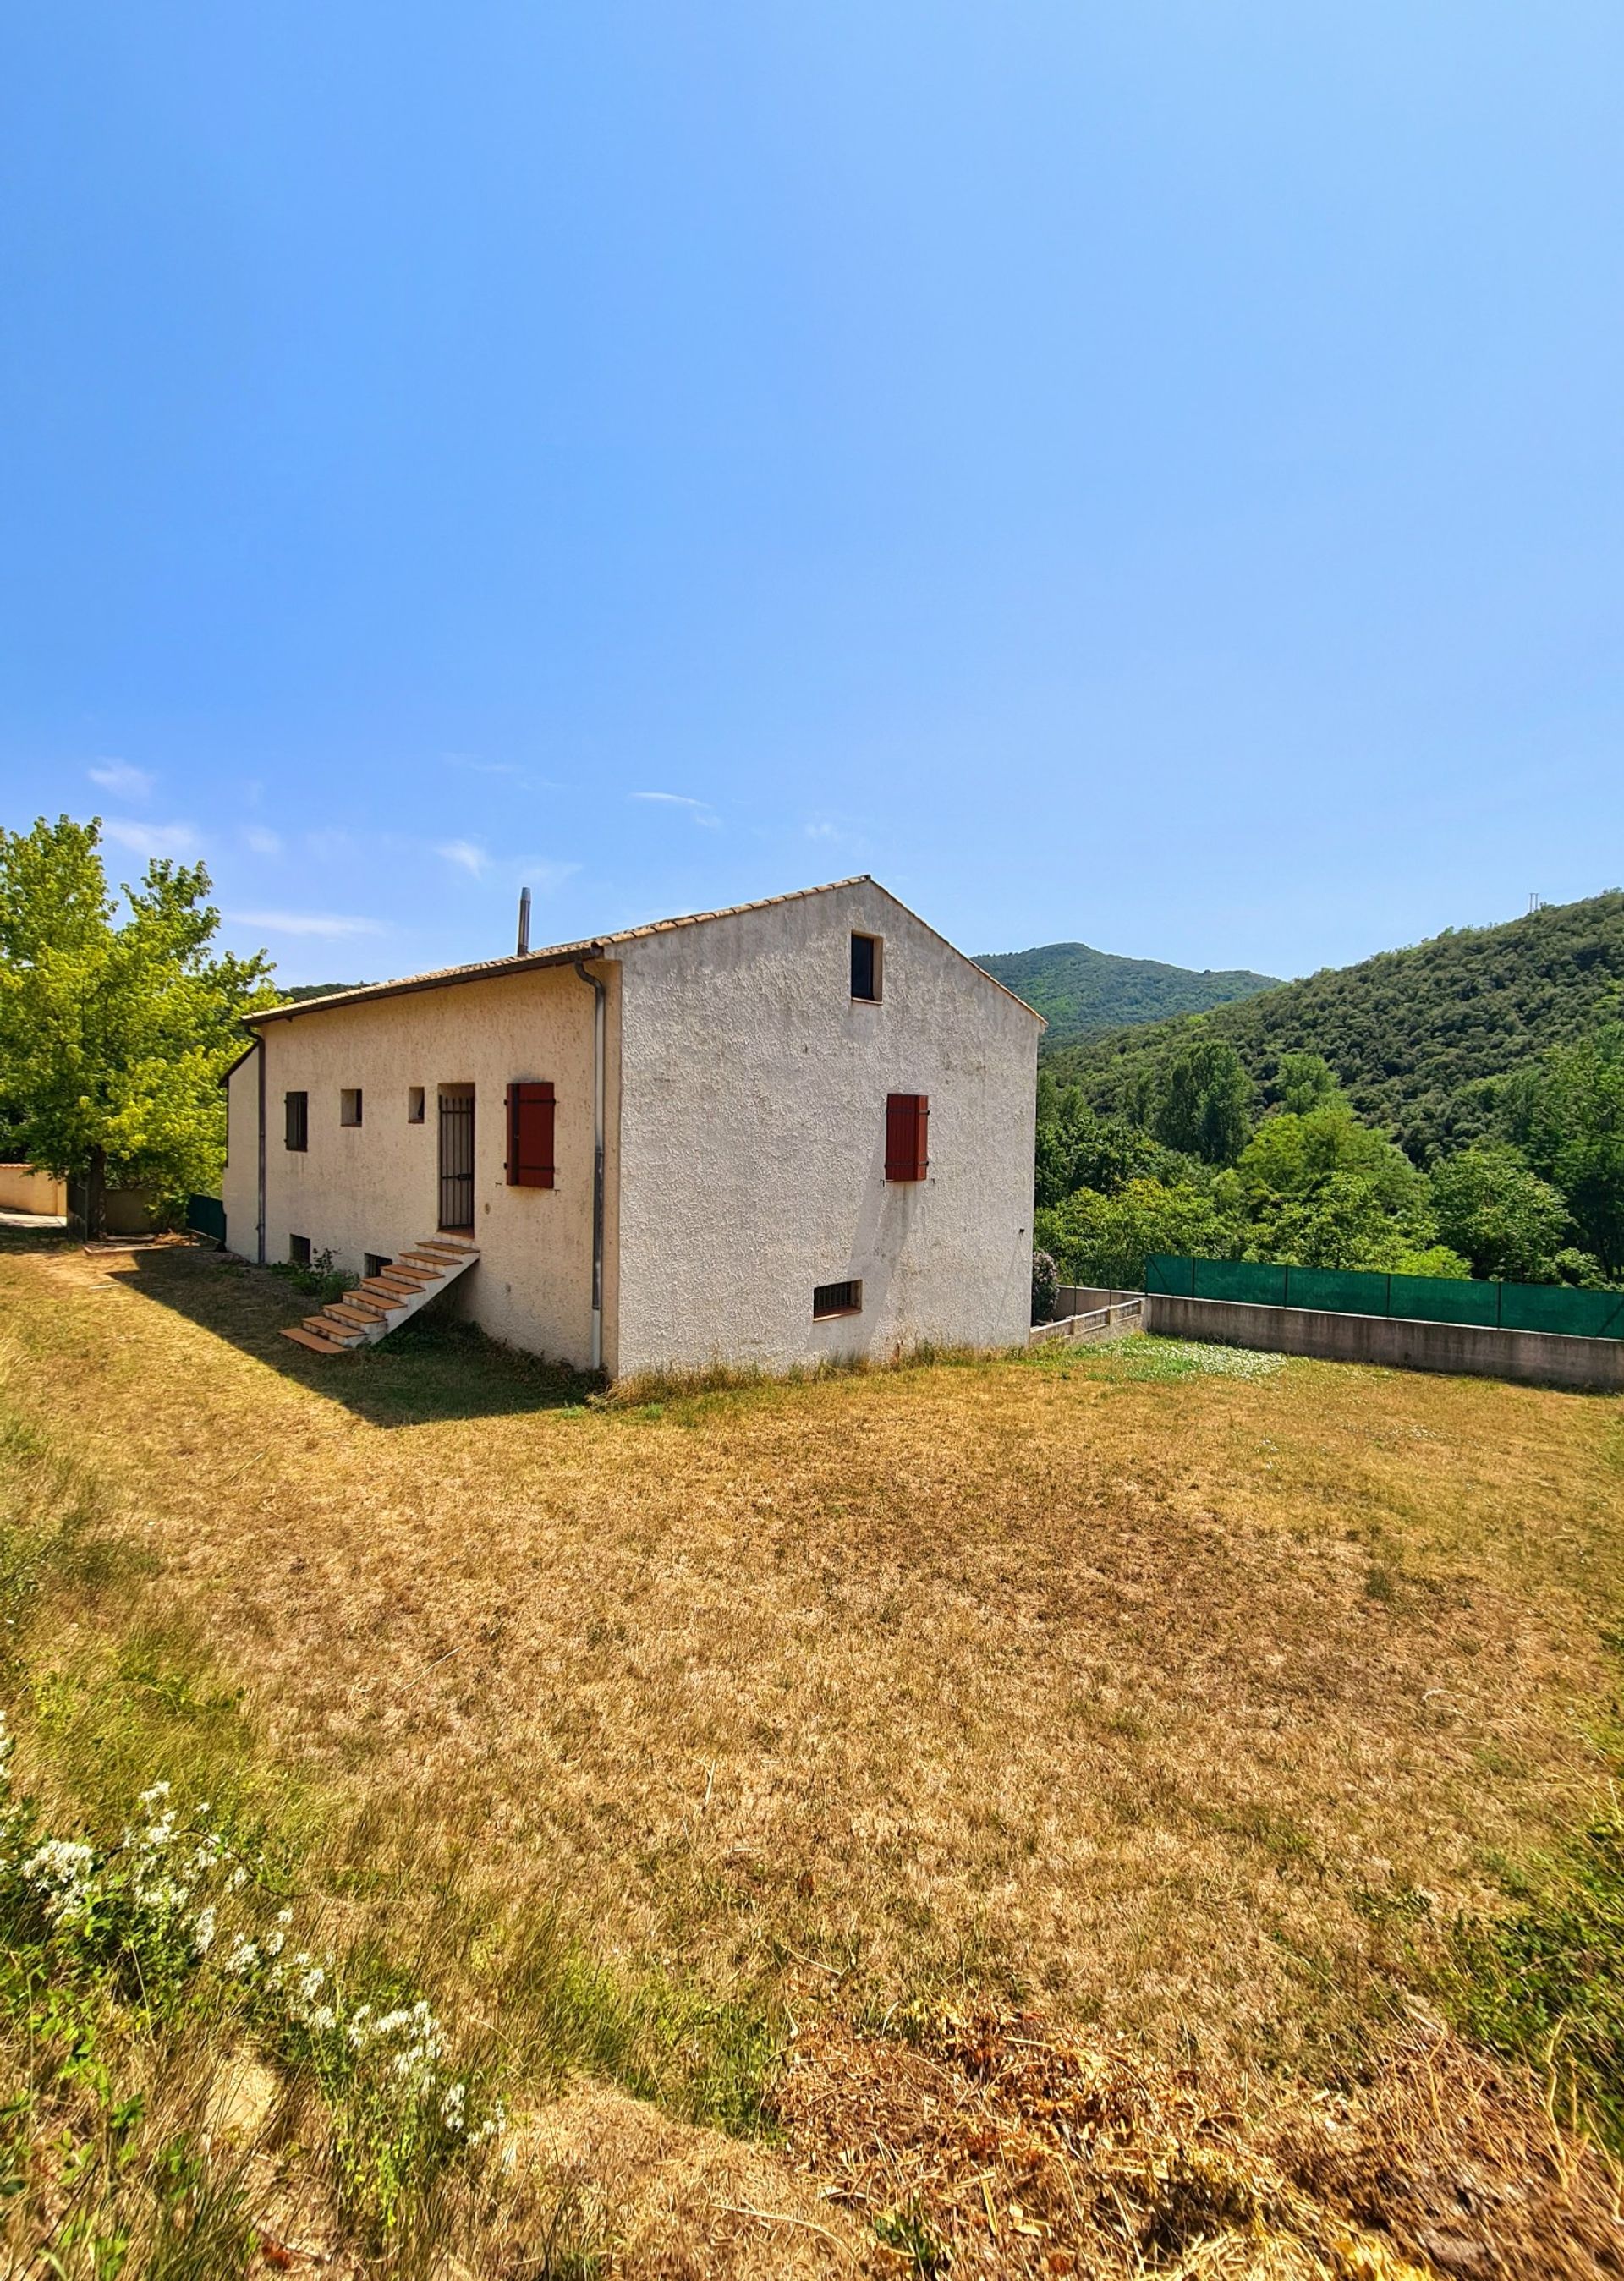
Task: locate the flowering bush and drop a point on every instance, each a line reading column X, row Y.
column 175, row 1913
column 1045, row 1287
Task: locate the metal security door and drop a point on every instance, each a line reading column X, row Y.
column 457, row 1159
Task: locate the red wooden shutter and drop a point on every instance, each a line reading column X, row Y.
column 529, row 1136
column 908, row 1116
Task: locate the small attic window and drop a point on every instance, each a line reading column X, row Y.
column 414, row 1105
column 865, row 968
column 349, row 1105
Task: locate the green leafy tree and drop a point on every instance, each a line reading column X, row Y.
column 114, row 1034
column 1107, row 1238
column 1566, row 1113
column 1290, row 1156
column 1346, row 1222
column 1197, row 1099
column 1304, row 1081
column 1494, row 1209
column 1076, row 1149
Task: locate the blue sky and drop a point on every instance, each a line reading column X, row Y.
column 1151, row 475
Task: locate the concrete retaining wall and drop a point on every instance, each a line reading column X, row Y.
column 1532, row 1357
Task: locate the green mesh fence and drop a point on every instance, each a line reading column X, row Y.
column 1417, row 1298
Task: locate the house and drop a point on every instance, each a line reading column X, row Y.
column 794, row 1130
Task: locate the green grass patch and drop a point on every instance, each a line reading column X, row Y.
column 1544, row 1983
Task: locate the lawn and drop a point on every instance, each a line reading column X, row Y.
column 1173, row 1701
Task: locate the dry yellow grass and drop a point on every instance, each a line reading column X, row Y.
column 1150, row 1703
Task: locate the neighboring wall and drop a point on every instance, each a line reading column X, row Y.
column 753, row 1133
column 374, row 1188
column 24, row 1190
column 1533, row 1357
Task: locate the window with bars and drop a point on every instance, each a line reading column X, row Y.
column 907, row 1119
column 295, row 1115
column 530, row 1112
column 299, row 1250
column 836, row 1299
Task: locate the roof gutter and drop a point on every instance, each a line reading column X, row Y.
column 600, row 995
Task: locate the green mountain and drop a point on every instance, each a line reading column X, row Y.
column 1412, row 1034
column 1080, row 992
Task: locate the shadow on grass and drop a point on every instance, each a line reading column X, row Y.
column 433, row 1367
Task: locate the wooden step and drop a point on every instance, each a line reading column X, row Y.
column 425, row 1262
column 389, row 1295
column 364, row 1318
column 329, row 1326
column 304, row 1338
column 362, row 1302
column 448, row 1240
column 409, row 1278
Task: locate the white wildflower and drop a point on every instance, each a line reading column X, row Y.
column 203, row 1932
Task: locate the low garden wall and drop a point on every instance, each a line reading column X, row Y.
column 1531, row 1357
column 25, row 1190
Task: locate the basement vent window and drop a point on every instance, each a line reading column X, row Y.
column 830, row 1299
column 865, row 968
column 350, row 1105
column 299, row 1251
column 296, row 1112
column 376, row 1262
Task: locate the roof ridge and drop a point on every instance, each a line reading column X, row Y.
column 550, row 955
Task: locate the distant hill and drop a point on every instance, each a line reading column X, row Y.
column 1411, row 1034
column 1081, row 991
column 319, row 990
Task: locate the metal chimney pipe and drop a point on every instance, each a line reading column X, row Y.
column 524, row 921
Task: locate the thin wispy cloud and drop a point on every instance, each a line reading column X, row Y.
column 261, row 841
column 700, row 810
column 307, row 923
column 118, row 778
column 543, row 876
column 465, row 855
column 151, row 840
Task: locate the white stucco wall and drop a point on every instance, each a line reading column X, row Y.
column 374, row 1188
column 753, row 1138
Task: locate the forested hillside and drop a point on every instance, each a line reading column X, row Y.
column 1411, row 1035
column 1080, row 992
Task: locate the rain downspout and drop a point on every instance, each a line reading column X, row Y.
column 599, row 995
column 260, row 1231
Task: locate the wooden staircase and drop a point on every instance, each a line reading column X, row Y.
column 383, row 1301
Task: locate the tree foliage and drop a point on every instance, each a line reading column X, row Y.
column 1197, row 1099
column 1494, row 1209
column 1479, row 1128
column 114, row 1030
column 1567, row 1114
column 1412, row 1035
